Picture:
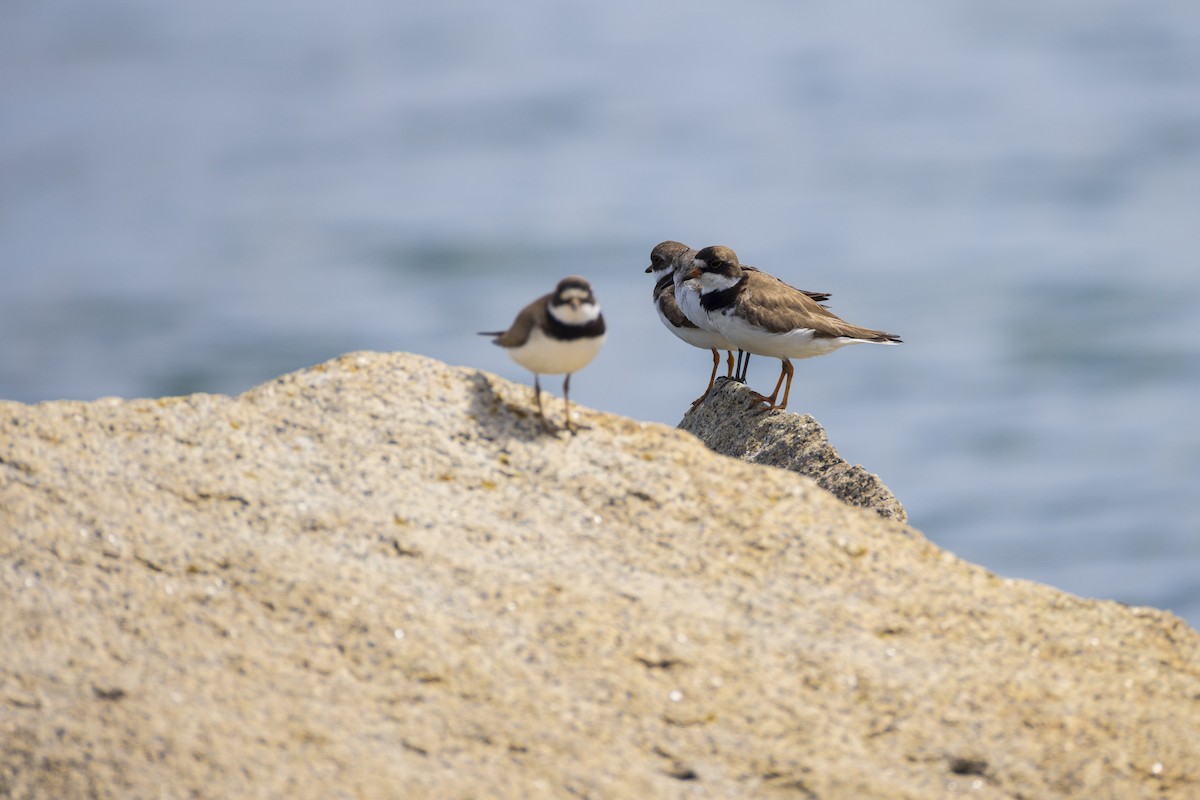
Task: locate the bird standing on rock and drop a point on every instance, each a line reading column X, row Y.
column 670, row 262
column 558, row 333
column 666, row 261
column 763, row 315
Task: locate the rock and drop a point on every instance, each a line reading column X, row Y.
column 377, row 577
column 732, row 423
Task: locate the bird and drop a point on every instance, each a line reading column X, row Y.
column 560, row 332
column 666, row 260
column 687, row 297
column 761, row 314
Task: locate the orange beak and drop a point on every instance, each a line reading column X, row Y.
column 694, row 272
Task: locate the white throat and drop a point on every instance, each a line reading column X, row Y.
column 587, row 312
column 712, row 282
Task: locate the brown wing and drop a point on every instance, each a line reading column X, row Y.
column 775, row 306
column 820, row 297
column 518, row 333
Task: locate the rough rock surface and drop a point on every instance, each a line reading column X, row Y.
column 731, row 422
column 378, row 578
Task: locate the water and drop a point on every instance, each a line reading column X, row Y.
column 198, row 197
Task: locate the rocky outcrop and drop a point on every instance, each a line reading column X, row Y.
column 732, row 422
column 378, row 577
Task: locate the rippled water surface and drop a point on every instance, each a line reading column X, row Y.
column 197, row 197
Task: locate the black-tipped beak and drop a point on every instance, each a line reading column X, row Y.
column 650, row 268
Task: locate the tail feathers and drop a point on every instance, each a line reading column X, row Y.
column 495, row 336
column 870, row 337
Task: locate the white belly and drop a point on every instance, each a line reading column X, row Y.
column 798, row 343
column 547, row 356
column 697, row 337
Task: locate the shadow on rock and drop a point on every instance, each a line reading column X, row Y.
column 502, row 417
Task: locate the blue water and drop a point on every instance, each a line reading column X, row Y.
column 200, row 196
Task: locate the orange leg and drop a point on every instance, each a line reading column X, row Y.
column 711, row 379
column 790, row 370
column 783, row 368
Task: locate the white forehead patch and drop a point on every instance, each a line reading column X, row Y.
column 574, row 294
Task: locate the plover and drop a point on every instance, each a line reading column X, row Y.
column 687, row 297
column 558, row 333
column 666, row 260
column 765, row 316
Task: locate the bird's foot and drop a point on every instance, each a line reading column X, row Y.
column 574, row 428
column 765, row 403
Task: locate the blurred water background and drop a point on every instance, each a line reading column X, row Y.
column 201, row 196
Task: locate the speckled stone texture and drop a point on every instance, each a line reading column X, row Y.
column 378, row 577
column 733, row 423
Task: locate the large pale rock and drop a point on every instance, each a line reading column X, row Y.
column 379, row 578
column 732, row 422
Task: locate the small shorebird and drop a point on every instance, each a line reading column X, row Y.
column 765, row 316
column 558, row 333
column 666, row 260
